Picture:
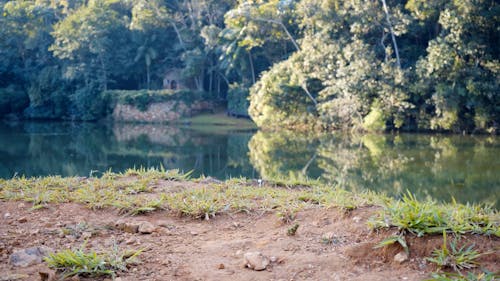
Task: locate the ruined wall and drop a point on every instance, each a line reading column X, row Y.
column 161, row 112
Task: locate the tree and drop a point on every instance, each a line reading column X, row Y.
column 459, row 76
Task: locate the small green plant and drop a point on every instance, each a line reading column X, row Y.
column 292, row 230
column 400, row 239
column 199, row 203
column 90, row 263
column 429, row 217
column 287, row 215
column 454, row 257
column 445, row 276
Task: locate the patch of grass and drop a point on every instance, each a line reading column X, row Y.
column 470, row 276
column 218, row 122
column 199, row 203
column 453, row 257
column 90, row 263
column 429, row 217
column 140, row 191
column 145, row 205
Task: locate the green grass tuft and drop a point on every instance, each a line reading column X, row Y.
column 453, row 257
column 429, row 217
column 90, row 263
column 470, row 276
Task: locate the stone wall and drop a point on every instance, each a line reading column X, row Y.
column 162, row 112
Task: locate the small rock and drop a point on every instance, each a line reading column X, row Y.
column 146, row 227
column 6, row 215
column 356, row 219
column 130, row 241
column 401, row 257
column 256, row 261
column 21, row 205
column 22, row 220
column 130, row 227
column 194, row 233
column 30, row 256
column 273, row 259
column 221, row 266
column 165, row 224
column 86, row 235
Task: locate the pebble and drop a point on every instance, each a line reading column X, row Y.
column 146, row 227
column 22, row 220
column 221, row 266
column 165, row 224
column 256, row 261
column 29, row 256
column 130, row 241
column 401, row 257
column 131, row 227
column 6, row 215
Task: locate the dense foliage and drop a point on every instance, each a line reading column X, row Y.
column 324, row 64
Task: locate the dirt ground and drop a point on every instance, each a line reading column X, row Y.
column 328, row 244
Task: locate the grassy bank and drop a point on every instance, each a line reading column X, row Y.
column 140, row 191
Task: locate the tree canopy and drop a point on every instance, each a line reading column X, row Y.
column 300, row 64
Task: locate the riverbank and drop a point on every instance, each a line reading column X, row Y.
column 202, row 229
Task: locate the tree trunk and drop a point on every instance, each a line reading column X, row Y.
column 396, row 50
column 148, row 78
column 251, row 67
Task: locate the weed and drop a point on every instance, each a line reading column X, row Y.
column 429, row 217
column 454, row 257
column 287, row 215
column 400, row 239
column 199, row 203
column 91, row 263
column 483, row 276
column 142, row 205
column 292, row 230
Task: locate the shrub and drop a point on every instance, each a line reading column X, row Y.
column 237, row 100
column 143, row 98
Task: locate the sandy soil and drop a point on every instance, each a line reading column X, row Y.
column 328, row 244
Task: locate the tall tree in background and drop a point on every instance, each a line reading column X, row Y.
column 460, row 75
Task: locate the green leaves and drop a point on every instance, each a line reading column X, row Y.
column 428, row 217
column 90, row 263
column 400, row 239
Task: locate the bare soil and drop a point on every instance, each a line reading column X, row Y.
column 329, row 244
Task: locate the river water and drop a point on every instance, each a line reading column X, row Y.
column 442, row 167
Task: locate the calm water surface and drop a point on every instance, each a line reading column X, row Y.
column 438, row 166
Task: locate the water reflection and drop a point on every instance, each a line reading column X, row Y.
column 69, row 149
column 441, row 167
